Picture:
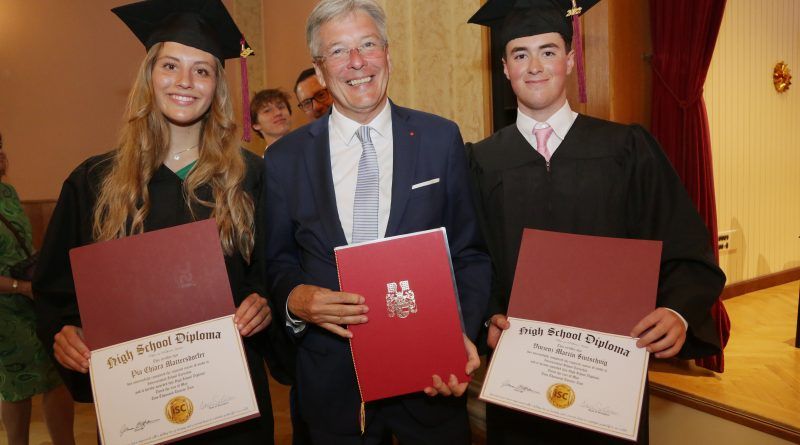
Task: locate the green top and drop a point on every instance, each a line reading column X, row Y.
column 184, row 172
column 10, row 250
column 25, row 368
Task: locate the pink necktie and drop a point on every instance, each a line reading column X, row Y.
column 542, row 135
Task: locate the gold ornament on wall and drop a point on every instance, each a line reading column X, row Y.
column 781, row 77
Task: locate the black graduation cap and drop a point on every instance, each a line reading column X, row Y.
column 520, row 18
column 201, row 24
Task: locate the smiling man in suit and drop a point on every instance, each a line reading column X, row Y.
column 367, row 170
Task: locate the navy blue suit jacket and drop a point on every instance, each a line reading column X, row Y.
column 303, row 228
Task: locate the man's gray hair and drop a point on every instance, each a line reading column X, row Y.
column 327, row 10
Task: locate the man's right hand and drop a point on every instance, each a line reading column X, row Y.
column 70, row 350
column 497, row 324
column 327, row 309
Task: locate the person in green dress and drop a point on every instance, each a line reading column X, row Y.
column 25, row 368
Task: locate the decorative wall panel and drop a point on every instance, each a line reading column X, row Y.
column 755, row 137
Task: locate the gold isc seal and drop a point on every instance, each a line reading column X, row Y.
column 179, row 409
column 560, row 395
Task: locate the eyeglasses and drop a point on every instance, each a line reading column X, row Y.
column 320, row 96
column 367, row 50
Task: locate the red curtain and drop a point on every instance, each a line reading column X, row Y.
column 684, row 35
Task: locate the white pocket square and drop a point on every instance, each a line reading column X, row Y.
column 425, row 184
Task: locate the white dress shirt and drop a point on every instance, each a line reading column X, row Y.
column 346, row 151
column 345, row 154
column 561, row 121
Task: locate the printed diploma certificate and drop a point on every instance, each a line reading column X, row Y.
column 173, row 384
column 582, row 377
column 157, row 314
column 567, row 356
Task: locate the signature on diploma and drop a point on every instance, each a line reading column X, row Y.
column 518, row 388
column 598, row 408
column 216, row 402
column 140, row 425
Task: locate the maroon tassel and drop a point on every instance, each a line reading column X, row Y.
column 246, row 131
column 577, row 44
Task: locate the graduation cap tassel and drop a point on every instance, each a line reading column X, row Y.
column 577, row 44
column 362, row 418
column 245, row 91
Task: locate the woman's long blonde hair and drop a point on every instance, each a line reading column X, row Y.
column 123, row 203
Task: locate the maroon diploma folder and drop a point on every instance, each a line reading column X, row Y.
column 414, row 329
column 598, row 283
column 145, row 284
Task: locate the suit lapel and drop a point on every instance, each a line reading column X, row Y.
column 318, row 162
column 406, row 150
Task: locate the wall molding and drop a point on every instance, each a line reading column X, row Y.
column 762, row 282
column 717, row 409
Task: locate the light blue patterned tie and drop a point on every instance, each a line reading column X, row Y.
column 365, row 205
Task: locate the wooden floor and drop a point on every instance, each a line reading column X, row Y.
column 761, row 383
column 760, row 386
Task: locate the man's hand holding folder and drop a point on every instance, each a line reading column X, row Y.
column 330, row 310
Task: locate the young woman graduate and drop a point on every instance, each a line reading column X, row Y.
column 177, row 161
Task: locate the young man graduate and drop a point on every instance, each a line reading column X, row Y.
column 562, row 171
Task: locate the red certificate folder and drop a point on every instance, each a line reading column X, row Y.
column 591, row 282
column 145, row 284
column 414, row 329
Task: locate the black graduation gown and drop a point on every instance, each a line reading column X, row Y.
column 71, row 226
column 605, row 179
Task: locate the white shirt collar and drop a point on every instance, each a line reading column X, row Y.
column 561, row 121
column 345, row 128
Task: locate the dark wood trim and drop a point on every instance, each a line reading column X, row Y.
column 762, row 282
column 797, row 323
column 716, row 409
column 39, row 212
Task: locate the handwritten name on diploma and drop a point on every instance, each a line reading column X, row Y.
column 577, row 336
column 154, row 345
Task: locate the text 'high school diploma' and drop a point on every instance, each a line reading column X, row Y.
column 578, row 376
column 157, row 314
column 175, row 383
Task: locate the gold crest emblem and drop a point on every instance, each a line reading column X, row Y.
column 179, row 409
column 560, row 395
column 401, row 302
